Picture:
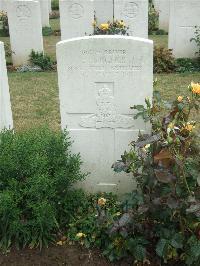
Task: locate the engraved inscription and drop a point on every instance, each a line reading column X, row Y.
column 130, row 10
column 106, row 115
column 23, row 11
column 76, row 11
column 105, row 61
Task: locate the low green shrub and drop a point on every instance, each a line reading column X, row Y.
column 187, row 65
column 47, row 31
column 153, row 19
column 163, row 60
column 37, row 170
column 41, row 60
column 55, row 4
column 4, row 31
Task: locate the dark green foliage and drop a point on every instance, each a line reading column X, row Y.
column 37, row 171
column 47, row 31
column 187, row 65
column 164, row 62
column 153, row 19
column 4, row 31
column 41, row 60
column 55, row 4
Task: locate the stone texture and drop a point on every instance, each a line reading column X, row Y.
column 50, row 8
column 44, row 7
column 184, row 16
column 25, row 29
column 135, row 15
column 162, row 6
column 3, row 5
column 6, row 120
column 103, row 10
column 100, row 77
column 76, row 18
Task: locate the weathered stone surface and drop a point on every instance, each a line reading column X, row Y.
column 76, row 17
column 103, row 10
column 162, row 6
column 6, row 120
column 184, row 16
column 100, row 77
column 135, row 15
column 25, row 29
column 44, row 7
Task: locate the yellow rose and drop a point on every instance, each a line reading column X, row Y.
column 189, row 127
column 195, row 88
column 80, row 235
column 121, row 23
column 180, row 98
column 104, row 26
column 101, row 202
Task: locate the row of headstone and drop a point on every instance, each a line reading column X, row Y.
column 184, row 16
column 6, row 120
column 179, row 18
column 100, row 77
column 76, row 17
column 162, row 7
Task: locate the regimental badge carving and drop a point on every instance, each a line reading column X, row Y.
column 76, row 11
column 23, row 11
column 106, row 116
column 130, row 10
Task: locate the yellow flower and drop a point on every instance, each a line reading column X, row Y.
column 189, row 127
column 94, row 23
column 180, row 98
column 171, row 125
column 80, row 235
column 121, row 23
column 59, row 243
column 104, row 26
column 195, row 88
column 101, row 202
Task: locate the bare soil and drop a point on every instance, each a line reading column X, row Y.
column 56, row 256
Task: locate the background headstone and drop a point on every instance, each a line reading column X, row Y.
column 103, row 10
column 100, row 77
column 184, row 16
column 6, row 120
column 76, row 18
column 44, row 7
column 50, row 8
column 3, row 5
column 134, row 14
column 25, row 28
column 162, row 6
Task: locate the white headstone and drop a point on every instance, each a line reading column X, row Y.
column 162, row 6
column 44, row 6
column 50, row 8
column 25, row 29
column 100, row 77
column 184, row 16
column 134, row 14
column 3, row 5
column 6, row 120
column 103, row 10
column 76, row 17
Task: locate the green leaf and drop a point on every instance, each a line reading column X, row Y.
column 161, row 247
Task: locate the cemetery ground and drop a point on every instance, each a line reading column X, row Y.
column 34, row 96
column 35, row 102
